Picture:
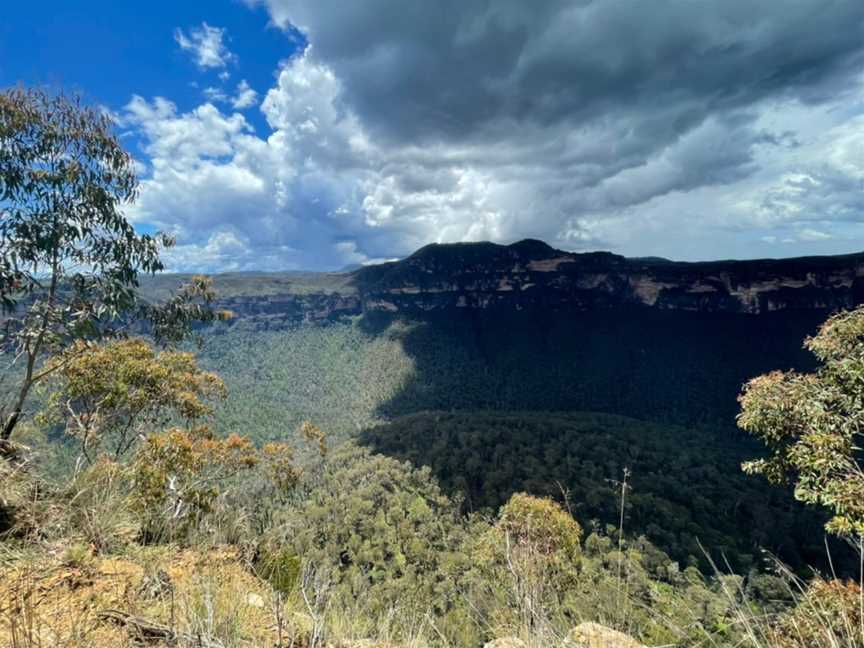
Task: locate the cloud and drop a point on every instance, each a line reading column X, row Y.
column 455, row 68
column 237, row 200
column 718, row 130
column 206, row 45
column 245, row 96
column 215, row 94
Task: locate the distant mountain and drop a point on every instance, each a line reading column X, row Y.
column 474, row 332
column 651, row 259
column 526, row 326
column 531, row 275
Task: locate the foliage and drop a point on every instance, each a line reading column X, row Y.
column 374, row 550
column 281, row 568
column 670, row 367
column 175, row 474
column 378, row 529
column 90, row 507
column 313, row 435
column 96, row 509
column 111, row 395
column 681, row 368
column 686, row 493
column 827, row 613
column 812, row 423
column 538, row 590
column 189, row 306
column 70, row 258
column 277, row 460
column 525, row 563
column 17, row 486
column 540, row 526
column 354, row 375
column 336, row 376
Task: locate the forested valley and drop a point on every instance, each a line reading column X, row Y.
column 478, row 469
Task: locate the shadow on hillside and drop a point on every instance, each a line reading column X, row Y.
column 666, row 366
column 685, row 487
column 661, row 367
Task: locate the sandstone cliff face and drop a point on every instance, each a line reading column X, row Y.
column 276, row 311
column 531, row 274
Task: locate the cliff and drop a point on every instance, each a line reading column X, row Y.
column 532, row 275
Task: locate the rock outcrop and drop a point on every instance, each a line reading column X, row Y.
column 532, row 275
column 594, row 635
column 505, row 642
column 585, row 635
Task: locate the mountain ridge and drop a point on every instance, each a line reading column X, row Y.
column 531, row 274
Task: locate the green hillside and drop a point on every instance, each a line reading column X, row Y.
column 678, row 367
column 685, row 491
column 253, row 284
column 677, row 379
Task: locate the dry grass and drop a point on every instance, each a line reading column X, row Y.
column 825, row 612
column 53, row 601
column 207, row 599
column 211, row 599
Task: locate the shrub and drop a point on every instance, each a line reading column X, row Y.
column 378, row 529
column 829, row 614
column 176, row 476
column 111, row 395
column 95, row 508
column 540, row 526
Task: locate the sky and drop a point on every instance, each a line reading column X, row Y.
column 317, row 134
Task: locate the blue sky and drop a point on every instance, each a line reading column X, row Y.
column 110, row 51
column 313, row 134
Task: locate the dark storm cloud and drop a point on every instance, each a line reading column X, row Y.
column 688, row 129
column 417, row 69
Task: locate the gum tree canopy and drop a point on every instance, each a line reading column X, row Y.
column 813, row 424
column 69, row 259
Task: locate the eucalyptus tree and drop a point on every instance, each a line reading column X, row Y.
column 69, row 258
column 813, row 424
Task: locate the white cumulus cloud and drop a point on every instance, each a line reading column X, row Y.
column 688, row 175
column 245, row 96
column 206, row 44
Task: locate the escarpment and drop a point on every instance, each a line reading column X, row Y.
column 532, row 275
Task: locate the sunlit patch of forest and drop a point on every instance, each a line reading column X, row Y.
column 687, row 494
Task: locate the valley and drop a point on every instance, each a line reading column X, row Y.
column 412, row 379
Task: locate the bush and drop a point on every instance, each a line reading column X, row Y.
column 378, row 529
column 540, row 526
column 95, row 508
column 16, row 488
column 829, row 614
column 524, row 566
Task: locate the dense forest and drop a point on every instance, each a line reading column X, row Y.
column 684, row 490
column 676, row 367
column 683, row 372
